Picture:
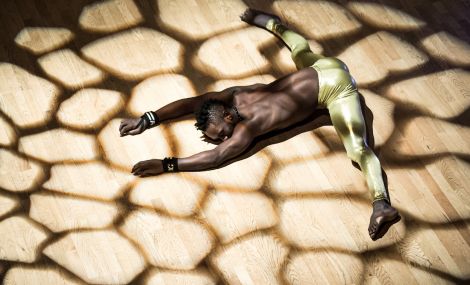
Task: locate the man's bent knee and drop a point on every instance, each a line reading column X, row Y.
column 357, row 153
column 300, row 48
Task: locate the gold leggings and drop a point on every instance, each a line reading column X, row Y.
column 338, row 93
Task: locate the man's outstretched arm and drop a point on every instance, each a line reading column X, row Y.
column 173, row 110
column 241, row 138
column 179, row 108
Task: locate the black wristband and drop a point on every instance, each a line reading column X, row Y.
column 170, row 164
column 151, row 118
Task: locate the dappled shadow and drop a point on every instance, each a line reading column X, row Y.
column 291, row 207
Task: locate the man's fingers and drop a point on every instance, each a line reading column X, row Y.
column 136, row 166
column 122, row 125
column 135, row 131
column 139, row 167
column 146, row 173
column 134, row 127
column 125, row 129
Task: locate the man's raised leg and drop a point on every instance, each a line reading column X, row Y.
column 301, row 52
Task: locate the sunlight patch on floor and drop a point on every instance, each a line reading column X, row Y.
column 20, row 274
column 93, row 179
column 443, row 94
column 74, row 146
column 324, row 19
column 174, row 194
column 33, row 98
column 256, row 259
column 391, row 54
column 234, row 214
column 110, row 16
column 130, row 54
column 39, row 40
column 69, row 69
column 103, row 257
column 199, row 276
column 157, row 91
column 90, row 108
column 63, row 213
column 191, row 19
column 215, row 56
column 453, row 259
column 444, row 46
column 18, row 174
column 15, row 245
column 304, row 268
column 7, row 134
column 190, row 239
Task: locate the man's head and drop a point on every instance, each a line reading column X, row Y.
column 216, row 120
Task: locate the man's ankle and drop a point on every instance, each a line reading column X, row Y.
column 380, row 203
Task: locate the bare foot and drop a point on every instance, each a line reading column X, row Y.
column 258, row 18
column 382, row 218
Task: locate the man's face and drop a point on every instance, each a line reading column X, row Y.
column 220, row 131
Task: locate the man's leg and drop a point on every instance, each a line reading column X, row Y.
column 301, row 52
column 349, row 123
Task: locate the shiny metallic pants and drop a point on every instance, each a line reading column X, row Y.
column 339, row 94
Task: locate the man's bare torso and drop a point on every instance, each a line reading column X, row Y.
column 280, row 104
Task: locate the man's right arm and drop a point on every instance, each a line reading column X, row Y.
column 187, row 106
column 176, row 109
column 181, row 108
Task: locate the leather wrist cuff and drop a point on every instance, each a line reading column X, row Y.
column 170, row 164
column 151, row 118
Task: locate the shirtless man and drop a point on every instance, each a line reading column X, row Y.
column 237, row 115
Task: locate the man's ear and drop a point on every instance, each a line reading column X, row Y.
column 228, row 117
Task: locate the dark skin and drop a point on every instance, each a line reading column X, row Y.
column 263, row 108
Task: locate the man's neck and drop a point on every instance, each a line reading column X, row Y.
column 236, row 114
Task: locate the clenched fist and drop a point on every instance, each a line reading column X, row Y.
column 132, row 126
column 149, row 167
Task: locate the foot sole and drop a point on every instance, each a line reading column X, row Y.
column 385, row 226
column 249, row 16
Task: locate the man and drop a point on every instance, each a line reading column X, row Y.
column 236, row 115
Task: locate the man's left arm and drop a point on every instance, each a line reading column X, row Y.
column 241, row 139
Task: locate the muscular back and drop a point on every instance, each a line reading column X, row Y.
column 280, row 104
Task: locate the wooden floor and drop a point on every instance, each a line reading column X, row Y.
column 295, row 211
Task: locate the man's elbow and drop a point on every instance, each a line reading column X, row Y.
column 222, row 156
column 217, row 161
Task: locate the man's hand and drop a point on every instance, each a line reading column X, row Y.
column 149, row 167
column 207, row 139
column 132, row 126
